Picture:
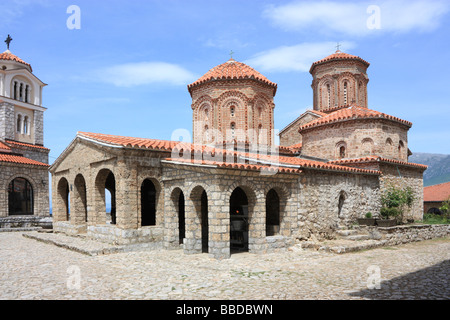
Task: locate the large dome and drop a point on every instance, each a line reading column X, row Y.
column 231, row 70
column 8, row 56
column 338, row 56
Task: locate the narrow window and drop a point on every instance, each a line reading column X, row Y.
column 342, row 152
column 27, row 90
column 25, row 125
column 21, row 92
column 232, row 110
column 233, row 129
column 345, row 93
column 207, row 133
column 329, row 95
column 15, row 90
column 19, row 124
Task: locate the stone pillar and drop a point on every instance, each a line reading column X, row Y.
column 127, row 194
column 192, row 243
column 219, row 226
column 171, row 233
column 257, row 225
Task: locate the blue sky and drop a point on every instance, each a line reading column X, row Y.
column 126, row 70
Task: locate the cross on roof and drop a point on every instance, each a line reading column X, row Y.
column 231, row 54
column 8, row 41
column 338, row 47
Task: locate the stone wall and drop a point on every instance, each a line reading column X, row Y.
column 7, row 122
column 38, row 178
column 402, row 176
column 412, row 233
column 290, row 135
column 319, row 212
column 359, row 137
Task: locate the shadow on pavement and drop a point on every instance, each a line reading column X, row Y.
column 431, row 283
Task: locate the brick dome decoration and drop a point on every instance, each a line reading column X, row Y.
column 232, row 70
column 8, row 56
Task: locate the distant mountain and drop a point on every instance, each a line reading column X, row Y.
column 438, row 167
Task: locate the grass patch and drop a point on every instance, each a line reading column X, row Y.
column 435, row 219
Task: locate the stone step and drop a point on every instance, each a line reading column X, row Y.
column 358, row 237
column 346, row 232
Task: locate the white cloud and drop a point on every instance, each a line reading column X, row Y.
column 352, row 18
column 294, row 58
column 144, row 73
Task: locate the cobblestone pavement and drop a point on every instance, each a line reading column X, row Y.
column 34, row 270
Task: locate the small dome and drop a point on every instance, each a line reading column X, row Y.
column 338, row 55
column 8, row 56
column 230, row 70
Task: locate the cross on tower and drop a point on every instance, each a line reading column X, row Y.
column 8, row 41
column 231, row 54
column 338, row 47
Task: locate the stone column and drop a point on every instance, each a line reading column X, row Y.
column 219, row 226
column 193, row 240
column 127, row 194
column 257, row 225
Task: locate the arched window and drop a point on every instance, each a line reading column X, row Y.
column 329, row 95
column 341, row 202
column 25, row 125
column 233, row 130
column 20, row 197
column 345, row 93
column 206, row 133
column 342, row 152
column 19, row 124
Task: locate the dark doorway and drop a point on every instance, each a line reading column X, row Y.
column 238, row 221
column 20, row 198
column 205, row 227
column 148, row 203
column 272, row 213
column 110, row 185
column 181, row 217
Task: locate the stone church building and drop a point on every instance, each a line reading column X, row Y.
column 24, row 178
column 233, row 189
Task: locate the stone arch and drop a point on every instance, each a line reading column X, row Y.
column 105, row 180
column 341, row 200
column 348, row 97
column 341, row 150
column 178, row 215
column 367, row 145
column 198, row 196
column 244, row 212
column 389, row 147
column 80, row 212
column 20, row 197
column 327, row 92
column 148, row 202
column 284, row 195
column 62, row 201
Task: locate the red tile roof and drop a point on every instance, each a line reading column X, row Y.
column 4, row 147
column 296, row 147
column 20, row 160
column 23, row 144
column 352, row 113
column 232, row 70
column 7, row 55
column 369, row 159
column 221, row 154
column 130, row 142
column 338, row 55
column 239, row 166
column 438, row 192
